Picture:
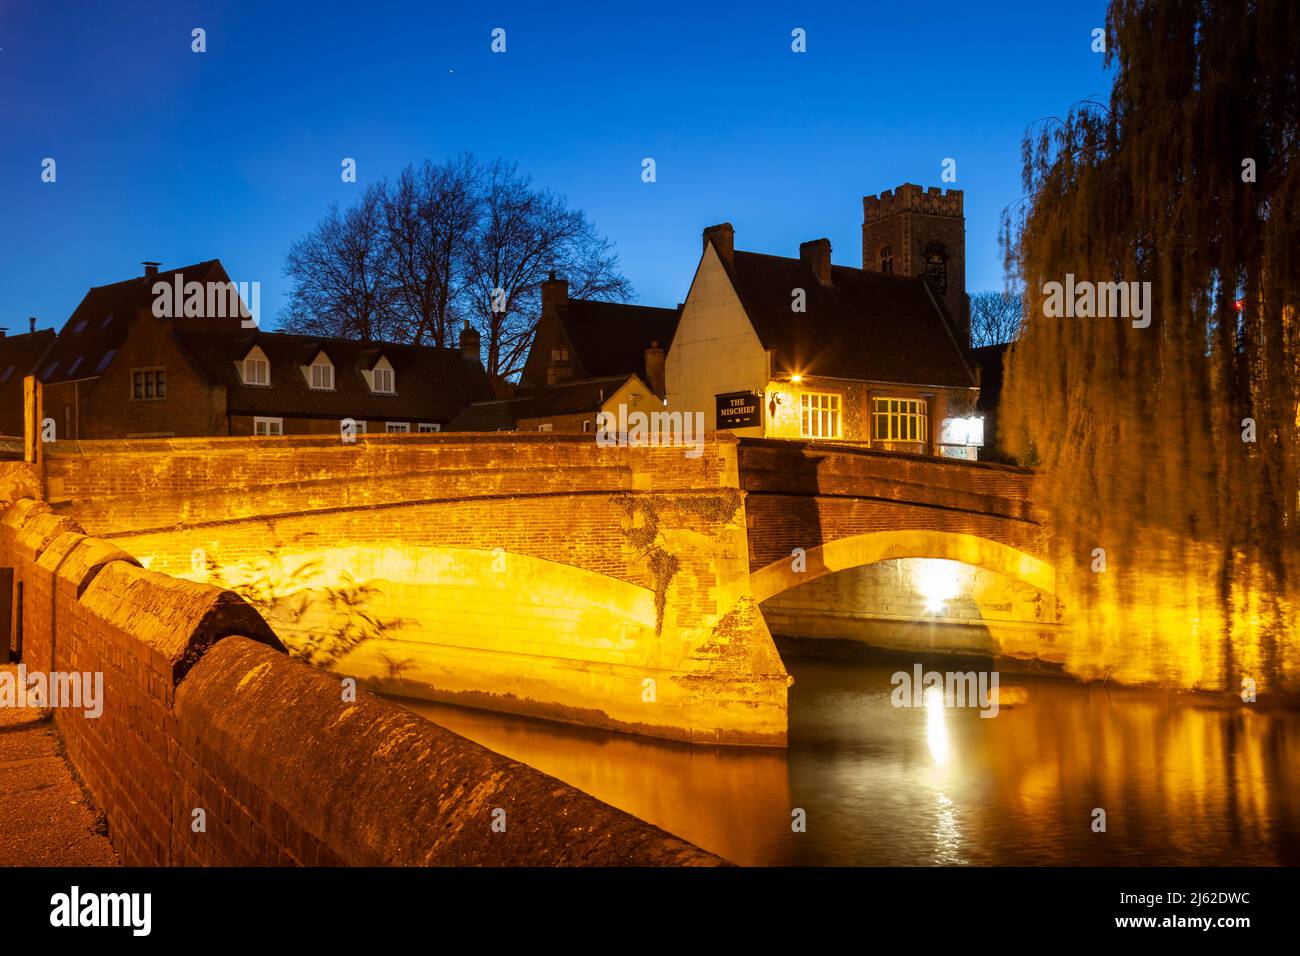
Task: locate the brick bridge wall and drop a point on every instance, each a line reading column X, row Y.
column 202, row 710
column 542, row 574
column 805, row 495
column 537, row 574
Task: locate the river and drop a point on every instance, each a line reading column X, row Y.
column 1182, row 780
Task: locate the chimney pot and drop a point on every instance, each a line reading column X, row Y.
column 31, row 323
column 817, row 254
column 555, row 294
column 654, row 368
column 723, row 237
column 469, row 344
column 150, row 268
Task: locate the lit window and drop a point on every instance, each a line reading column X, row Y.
column 544, row 428
column 819, row 415
column 322, row 374
column 426, row 427
column 900, row 419
column 397, row 428
column 587, row 424
column 560, row 354
column 383, row 379
column 149, row 384
column 268, row 426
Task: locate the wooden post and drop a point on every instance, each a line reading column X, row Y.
column 33, row 416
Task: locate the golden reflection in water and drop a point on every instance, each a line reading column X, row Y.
column 936, row 731
column 1184, row 780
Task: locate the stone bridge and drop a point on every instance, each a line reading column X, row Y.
column 541, row 574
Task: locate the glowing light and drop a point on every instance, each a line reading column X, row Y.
column 936, row 731
column 796, row 378
column 937, row 581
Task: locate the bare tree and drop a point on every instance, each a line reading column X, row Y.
column 445, row 243
column 342, row 281
column 995, row 318
column 430, row 216
column 523, row 235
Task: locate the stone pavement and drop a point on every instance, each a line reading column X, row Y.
column 45, row 818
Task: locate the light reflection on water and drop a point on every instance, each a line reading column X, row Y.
column 1181, row 781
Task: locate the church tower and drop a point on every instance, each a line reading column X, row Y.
column 914, row 232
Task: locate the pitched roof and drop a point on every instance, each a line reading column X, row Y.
column 19, row 356
column 610, row 338
column 431, row 384
column 864, row 325
column 568, row 398
column 91, row 337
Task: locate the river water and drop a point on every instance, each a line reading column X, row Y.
column 1182, row 780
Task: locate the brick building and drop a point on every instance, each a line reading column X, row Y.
column 587, row 357
column 117, row 370
column 773, row 346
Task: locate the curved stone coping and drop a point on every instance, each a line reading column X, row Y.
column 379, row 785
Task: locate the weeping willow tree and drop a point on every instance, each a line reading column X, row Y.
column 1169, row 450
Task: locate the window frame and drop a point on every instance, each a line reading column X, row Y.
column 268, row 421
column 915, row 411
column 255, row 357
column 321, row 361
column 152, row 382
column 826, row 410
column 397, row 428
column 382, row 366
column 428, row 428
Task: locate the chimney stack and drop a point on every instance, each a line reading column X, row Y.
column 150, row 268
column 723, row 237
column 469, row 344
column 817, row 254
column 555, row 294
column 31, row 324
column 654, row 368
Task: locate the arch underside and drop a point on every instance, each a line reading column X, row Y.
column 862, row 549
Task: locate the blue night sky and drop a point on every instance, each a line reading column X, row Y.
column 167, row 154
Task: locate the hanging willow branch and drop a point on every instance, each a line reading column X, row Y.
column 1141, row 433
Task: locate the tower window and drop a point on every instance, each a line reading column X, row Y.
column 936, row 265
column 887, row 260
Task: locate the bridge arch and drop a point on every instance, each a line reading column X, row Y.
column 862, row 549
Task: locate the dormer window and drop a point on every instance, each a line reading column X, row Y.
column 381, row 378
column 256, row 368
column 321, row 373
